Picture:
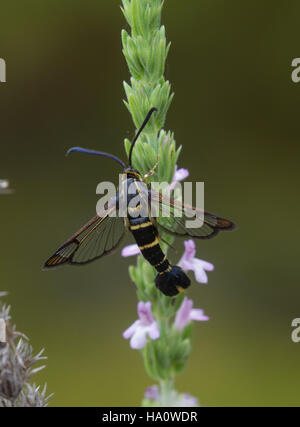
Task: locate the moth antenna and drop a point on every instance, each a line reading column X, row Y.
column 96, row 153
column 139, row 132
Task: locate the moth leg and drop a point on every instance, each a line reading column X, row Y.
column 151, row 172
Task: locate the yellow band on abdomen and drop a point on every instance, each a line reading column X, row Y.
column 143, row 225
column 149, row 245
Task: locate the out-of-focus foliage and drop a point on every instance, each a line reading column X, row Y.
column 17, row 366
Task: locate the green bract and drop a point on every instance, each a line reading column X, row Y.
column 145, row 51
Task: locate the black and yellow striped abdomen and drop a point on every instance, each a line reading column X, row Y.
column 146, row 237
column 170, row 279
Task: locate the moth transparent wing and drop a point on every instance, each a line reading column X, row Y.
column 181, row 213
column 99, row 237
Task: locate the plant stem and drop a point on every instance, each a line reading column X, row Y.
column 145, row 50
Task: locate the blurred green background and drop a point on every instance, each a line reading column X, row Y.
column 236, row 113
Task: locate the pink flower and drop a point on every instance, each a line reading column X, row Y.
column 175, row 399
column 179, row 175
column 186, row 400
column 152, row 393
column 187, row 313
column 145, row 325
column 130, row 250
column 188, row 262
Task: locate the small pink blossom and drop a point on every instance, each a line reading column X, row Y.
column 152, row 393
column 174, row 399
column 186, row 400
column 189, row 262
column 179, row 175
column 130, row 250
column 145, row 325
column 187, row 313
